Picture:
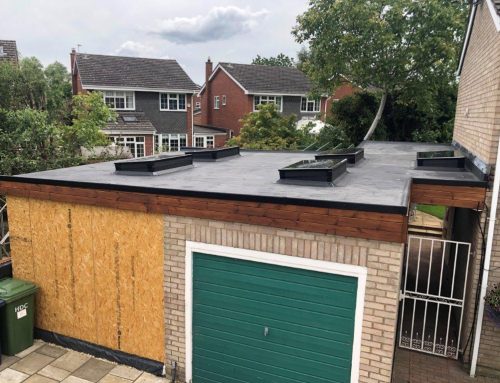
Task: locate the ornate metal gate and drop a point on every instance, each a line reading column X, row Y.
column 433, row 293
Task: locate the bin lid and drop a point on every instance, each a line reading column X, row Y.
column 12, row 289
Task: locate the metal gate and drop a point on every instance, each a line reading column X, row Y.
column 433, row 293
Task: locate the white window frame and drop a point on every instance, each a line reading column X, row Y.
column 224, row 99
column 358, row 272
column 106, row 94
column 2, row 53
column 216, row 102
column 172, row 96
column 117, row 140
column 269, row 99
column 316, row 106
column 197, row 105
column 206, row 138
column 163, row 142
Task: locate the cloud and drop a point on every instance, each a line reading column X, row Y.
column 219, row 23
column 134, row 48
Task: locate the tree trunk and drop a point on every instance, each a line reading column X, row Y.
column 378, row 116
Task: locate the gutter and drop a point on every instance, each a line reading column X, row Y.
column 487, row 261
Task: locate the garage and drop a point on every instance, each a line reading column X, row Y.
column 256, row 321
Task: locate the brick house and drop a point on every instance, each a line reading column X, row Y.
column 233, row 90
column 153, row 99
column 8, row 51
column 476, row 133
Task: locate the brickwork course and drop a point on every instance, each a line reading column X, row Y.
column 382, row 259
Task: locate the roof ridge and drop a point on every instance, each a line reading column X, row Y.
column 125, row 57
column 262, row 65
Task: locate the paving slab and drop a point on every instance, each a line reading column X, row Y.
column 74, row 379
column 52, row 351
column 39, row 379
column 12, row 376
column 7, row 361
column 126, row 372
column 149, row 378
column 32, row 363
column 94, row 370
column 36, row 345
column 54, row 373
column 114, row 379
column 70, row 361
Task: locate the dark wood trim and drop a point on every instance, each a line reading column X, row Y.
column 350, row 223
column 453, row 196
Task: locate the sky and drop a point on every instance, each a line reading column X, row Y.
column 189, row 31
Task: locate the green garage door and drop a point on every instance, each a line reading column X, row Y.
column 261, row 323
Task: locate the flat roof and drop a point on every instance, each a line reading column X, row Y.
column 380, row 182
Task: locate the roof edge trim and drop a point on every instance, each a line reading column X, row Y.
column 138, row 89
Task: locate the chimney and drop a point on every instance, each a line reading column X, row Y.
column 208, row 69
column 75, row 80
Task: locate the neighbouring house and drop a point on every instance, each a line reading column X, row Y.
column 8, row 51
column 152, row 97
column 476, row 133
column 233, row 90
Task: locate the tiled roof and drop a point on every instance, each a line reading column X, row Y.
column 269, row 79
column 9, row 49
column 128, row 122
column 208, row 129
column 132, row 72
column 497, row 5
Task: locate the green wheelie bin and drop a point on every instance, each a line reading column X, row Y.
column 17, row 316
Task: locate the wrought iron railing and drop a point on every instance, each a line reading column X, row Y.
column 4, row 231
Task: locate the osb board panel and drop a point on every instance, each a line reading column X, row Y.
column 453, row 196
column 100, row 272
column 350, row 223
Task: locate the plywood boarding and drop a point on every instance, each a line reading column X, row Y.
column 446, row 195
column 349, row 223
column 100, row 272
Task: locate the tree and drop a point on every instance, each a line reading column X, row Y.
column 280, row 60
column 34, row 83
column 90, row 116
column 405, row 46
column 267, row 129
column 58, row 92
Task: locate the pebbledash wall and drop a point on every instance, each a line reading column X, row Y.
column 383, row 261
column 477, row 129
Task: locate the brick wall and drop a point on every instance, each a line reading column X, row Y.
column 383, row 260
column 237, row 103
column 477, row 120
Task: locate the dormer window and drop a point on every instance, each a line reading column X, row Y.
column 118, row 100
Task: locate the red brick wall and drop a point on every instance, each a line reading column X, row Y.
column 76, row 82
column 148, row 145
column 344, row 90
column 220, row 141
column 237, row 103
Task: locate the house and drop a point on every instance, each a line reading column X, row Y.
column 8, row 51
column 152, row 97
column 476, row 133
column 232, row 90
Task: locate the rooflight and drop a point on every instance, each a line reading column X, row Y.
column 313, row 172
column 129, row 118
column 447, row 159
column 213, row 154
column 153, row 166
column 353, row 155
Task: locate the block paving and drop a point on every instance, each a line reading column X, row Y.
column 46, row 363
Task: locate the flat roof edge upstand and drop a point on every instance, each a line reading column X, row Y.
column 313, row 172
column 153, row 166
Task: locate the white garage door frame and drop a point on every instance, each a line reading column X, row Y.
column 358, row 272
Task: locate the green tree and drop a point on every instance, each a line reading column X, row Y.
column 90, row 116
column 267, row 129
column 280, row 60
column 34, row 83
column 58, row 92
column 11, row 87
column 404, row 46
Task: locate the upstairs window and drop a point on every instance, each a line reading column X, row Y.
column 216, row 102
column 224, row 99
column 119, row 100
column 172, row 101
column 309, row 105
column 263, row 100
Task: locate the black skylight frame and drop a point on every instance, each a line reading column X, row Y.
column 352, row 155
column 313, row 172
column 212, row 154
column 441, row 159
column 153, row 165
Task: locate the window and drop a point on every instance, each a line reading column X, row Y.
column 204, row 141
column 170, row 142
column 263, row 100
column 308, row 105
column 172, row 101
column 197, row 105
column 216, row 102
column 119, row 100
column 224, row 99
column 2, row 52
column 135, row 144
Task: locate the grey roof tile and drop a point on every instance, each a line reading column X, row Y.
column 132, row 72
column 9, row 48
column 269, row 79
